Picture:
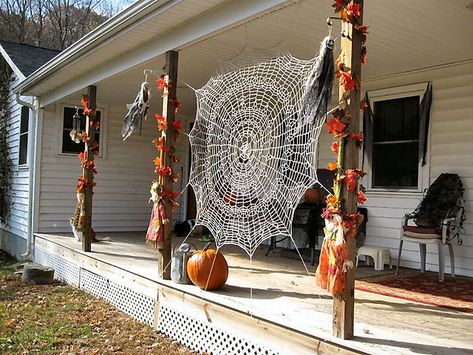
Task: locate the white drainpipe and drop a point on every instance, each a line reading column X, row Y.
column 32, row 158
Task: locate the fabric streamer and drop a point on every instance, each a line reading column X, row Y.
column 136, row 111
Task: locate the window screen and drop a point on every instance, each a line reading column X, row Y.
column 68, row 146
column 396, row 143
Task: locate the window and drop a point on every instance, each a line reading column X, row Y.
column 68, row 146
column 23, row 148
column 395, row 149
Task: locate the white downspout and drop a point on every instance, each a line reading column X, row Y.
column 32, row 157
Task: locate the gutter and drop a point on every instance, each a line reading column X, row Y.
column 32, row 137
column 101, row 34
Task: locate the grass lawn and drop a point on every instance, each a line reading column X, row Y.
column 59, row 319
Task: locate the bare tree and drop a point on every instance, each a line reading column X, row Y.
column 53, row 24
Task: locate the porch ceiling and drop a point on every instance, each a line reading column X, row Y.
column 404, row 35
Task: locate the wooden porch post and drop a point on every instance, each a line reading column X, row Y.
column 87, row 172
column 343, row 306
column 169, row 111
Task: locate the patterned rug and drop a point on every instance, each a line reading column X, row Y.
column 454, row 293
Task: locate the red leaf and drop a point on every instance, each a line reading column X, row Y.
column 354, row 9
column 161, row 84
column 358, row 136
column 363, row 55
column 335, row 126
column 177, row 125
column 361, row 197
column 334, row 148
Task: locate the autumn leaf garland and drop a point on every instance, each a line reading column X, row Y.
column 337, row 126
column 163, row 144
column 85, row 162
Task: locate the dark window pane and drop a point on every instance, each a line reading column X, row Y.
column 69, row 114
column 68, row 146
column 25, row 116
column 23, row 151
column 395, row 165
column 396, row 119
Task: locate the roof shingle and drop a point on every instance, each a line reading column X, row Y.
column 26, row 57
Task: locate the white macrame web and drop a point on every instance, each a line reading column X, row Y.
column 252, row 159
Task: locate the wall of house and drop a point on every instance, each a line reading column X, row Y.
column 125, row 173
column 450, row 150
column 18, row 220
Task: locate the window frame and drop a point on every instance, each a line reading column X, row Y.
column 103, row 129
column 399, row 92
column 26, row 133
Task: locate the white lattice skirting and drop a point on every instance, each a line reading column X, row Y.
column 203, row 336
column 200, row 336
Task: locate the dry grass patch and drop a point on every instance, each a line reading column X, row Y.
column 59, row 319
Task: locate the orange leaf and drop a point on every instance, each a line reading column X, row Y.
column 332, row 166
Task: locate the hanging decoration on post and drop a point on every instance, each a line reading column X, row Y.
column 76, row 133
column 160, row 195
column 137, row 111
column 78, row 219
column 339, row 227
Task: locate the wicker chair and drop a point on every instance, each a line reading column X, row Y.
column 439, row 220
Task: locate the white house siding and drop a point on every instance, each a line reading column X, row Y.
column 450, row 150
column 125, row 173
column 18, row 220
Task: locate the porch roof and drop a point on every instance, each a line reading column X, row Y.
column 404, row 36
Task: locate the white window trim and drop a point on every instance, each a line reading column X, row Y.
column 103, row 129
column 399, row 92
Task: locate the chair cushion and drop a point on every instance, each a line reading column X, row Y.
column 422, row 230
column 421, row 233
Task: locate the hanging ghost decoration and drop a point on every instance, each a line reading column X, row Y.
column 136, row 111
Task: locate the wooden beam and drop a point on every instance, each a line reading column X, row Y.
column 343, row 306
column 87, row 171
column 169, row 111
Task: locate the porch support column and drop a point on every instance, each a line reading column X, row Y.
column 89, row 233
column 170, row 71
column 343, row 306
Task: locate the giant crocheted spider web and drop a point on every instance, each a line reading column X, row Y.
column 254, row 154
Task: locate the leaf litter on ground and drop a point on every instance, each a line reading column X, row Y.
column 60, row 319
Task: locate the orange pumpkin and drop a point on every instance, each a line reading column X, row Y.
column 312, row 196
column 200, row 265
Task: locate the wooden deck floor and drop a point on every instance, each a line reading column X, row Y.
column 284, row 294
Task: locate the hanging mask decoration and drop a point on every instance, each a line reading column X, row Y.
column 76, row 134
column 136, row 111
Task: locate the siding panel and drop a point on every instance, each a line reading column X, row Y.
column 451, row 150
column 125, row 173
column 18, row 221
